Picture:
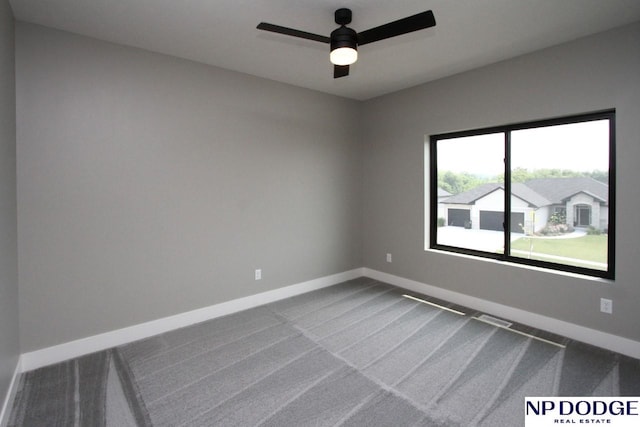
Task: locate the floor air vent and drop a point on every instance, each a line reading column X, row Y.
column 495, row 321
column 485, row 318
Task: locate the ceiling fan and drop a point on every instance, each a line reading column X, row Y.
column 344, row 41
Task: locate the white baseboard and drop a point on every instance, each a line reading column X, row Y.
column 69, row 350
column 11, row 393
column 570, row 330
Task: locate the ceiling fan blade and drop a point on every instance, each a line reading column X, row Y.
column 291, row 32
column 401, row 26
column 340, row 71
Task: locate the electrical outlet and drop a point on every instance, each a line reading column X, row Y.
column 258, row 274
column 389, row 258
column 606, row 305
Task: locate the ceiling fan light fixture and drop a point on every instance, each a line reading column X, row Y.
column 344, row 46
column 343, row 56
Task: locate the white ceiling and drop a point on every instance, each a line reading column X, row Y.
column 468, row 34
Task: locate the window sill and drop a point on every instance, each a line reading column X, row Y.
column 523, row 266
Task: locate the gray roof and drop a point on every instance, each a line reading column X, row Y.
column 538, row 192
column 470, row 196
column 519, row 190
column 443, row 193
column 529, row 195
column 557, row 190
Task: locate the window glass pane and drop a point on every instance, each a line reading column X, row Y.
column 470, row 196
column 560, row 194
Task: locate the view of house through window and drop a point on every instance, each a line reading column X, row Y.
column 559, row 213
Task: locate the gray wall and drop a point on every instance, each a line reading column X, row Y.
column 594, row 73
column 9, row 348
column 150, row 186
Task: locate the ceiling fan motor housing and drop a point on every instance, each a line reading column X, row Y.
column 344, row 37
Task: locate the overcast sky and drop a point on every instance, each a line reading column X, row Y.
column 576, row 146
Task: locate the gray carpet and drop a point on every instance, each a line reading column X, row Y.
column 354, row 354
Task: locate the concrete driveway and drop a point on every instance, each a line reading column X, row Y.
column 487, row 240
column 482, row 240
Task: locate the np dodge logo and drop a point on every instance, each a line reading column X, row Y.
column 609, row 411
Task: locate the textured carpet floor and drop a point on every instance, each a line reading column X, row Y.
column 354, row 354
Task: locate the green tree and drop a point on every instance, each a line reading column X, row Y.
column 523, row 174
column 456, row 183
column 602, row 176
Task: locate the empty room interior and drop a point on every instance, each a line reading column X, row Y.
column 206, row 219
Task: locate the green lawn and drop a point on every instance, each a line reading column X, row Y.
column 588, row 248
